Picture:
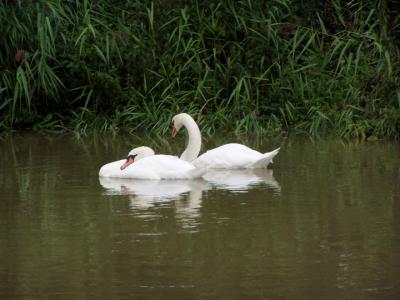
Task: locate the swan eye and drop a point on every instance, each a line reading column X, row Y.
column 131, row 157
column 172, row 124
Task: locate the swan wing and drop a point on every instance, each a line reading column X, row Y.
column 228, row 156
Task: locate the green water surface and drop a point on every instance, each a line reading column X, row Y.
column 322, row 223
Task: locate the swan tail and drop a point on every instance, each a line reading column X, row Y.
column 265, row 160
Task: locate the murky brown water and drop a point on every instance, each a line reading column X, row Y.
column 323, row 223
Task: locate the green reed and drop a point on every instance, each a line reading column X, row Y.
column 253, row 66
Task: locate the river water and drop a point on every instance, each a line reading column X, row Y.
column 323, row 222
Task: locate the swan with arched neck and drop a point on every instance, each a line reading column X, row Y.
column 228, row 156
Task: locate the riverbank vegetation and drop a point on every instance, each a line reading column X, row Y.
column 253, row 66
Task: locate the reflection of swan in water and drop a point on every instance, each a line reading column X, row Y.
column 185, row 195
column 152, row 191
column 187, row 211
column 241, row 180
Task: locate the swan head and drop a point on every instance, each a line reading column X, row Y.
column 178, row 121
column 137, row 154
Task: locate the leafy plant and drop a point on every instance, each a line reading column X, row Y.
column 264, row 66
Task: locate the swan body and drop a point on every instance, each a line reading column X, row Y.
column 141, row 163
column 234, row 156
column 228, row 156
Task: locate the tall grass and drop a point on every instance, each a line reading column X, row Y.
column 265, row 66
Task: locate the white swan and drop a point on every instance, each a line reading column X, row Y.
column 228, row 156
column 141, row 163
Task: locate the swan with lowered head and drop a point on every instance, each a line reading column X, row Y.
column 228, row 156
column 142, row 163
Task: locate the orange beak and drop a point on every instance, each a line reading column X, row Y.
column 129, row 161
column 174, row 132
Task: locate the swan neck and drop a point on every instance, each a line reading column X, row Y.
column 194, row 140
